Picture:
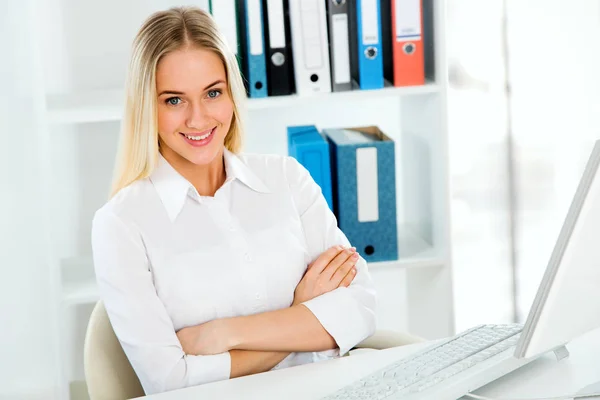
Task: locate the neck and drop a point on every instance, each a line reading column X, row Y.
column 207, row 179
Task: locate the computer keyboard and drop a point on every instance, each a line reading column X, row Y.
column 434, row 366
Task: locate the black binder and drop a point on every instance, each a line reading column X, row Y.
column 338, row 17
column 280, row 63
column 387, row 42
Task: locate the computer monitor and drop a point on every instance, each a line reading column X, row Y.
column 567, row 303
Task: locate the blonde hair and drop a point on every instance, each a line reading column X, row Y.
column 164, row 32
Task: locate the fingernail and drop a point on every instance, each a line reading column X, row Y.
column 353, row 271
column 353, row 248
column 355, row 256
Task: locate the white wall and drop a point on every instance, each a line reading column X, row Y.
column 480, row 189
column 554, row 59
column 26, row 317
column 555, row 73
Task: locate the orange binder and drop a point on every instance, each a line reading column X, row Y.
column 408, row 51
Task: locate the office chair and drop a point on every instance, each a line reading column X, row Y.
column 109, row 375
column 385, row 339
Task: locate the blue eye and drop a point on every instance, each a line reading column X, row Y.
column 173, row 101
column 213, row 94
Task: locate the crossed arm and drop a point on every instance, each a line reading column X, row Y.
column 259, row 342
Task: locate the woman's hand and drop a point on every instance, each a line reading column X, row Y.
column 205, row 339
column 332, row 269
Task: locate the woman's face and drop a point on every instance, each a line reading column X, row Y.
column 194, row 108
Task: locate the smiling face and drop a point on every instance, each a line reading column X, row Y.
column 194, row 108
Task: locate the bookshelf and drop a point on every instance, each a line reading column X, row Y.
column 84, row 65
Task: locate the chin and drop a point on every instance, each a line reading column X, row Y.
column 196, row 153
column 204, row 156
column 204, row 159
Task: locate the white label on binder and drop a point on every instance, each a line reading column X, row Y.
column 341, row 48
column 369, row 21
column 204, row 5
column 255, row 27
column 408, row 20
column 224, row 12
column 367, row 194
column 311, row 33
column 276, row 24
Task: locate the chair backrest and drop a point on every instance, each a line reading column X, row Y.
column 108, row 373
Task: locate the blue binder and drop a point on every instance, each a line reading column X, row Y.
column 366, row 50
column 254, row 64
column 310, row 148
column 364, row 190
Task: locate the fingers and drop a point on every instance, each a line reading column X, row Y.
column 324, row 259
column 348, row 278
column 337, row 262
column 344, row 269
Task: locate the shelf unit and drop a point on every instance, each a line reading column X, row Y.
column 84, row 69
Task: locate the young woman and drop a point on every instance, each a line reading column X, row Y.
column 214, row 264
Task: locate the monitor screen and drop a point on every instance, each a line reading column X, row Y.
column 567, row 303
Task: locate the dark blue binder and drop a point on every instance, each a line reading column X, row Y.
column 364, row 190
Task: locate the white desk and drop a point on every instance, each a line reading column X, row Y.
column 544, row 377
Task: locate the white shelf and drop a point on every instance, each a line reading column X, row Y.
column 107, row 105
column 414, row 252
column 317, row 99
column 79, row 283
column 83, row 292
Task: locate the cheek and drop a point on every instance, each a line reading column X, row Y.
column 223, row 112
column 168, row 121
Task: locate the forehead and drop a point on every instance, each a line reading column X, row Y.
column 189, row 69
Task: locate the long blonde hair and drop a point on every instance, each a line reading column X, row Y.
column 162, row 33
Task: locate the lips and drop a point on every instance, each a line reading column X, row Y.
column 199, row 139
column 198, row 136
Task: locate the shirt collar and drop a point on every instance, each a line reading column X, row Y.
column 235, row 168
column 173, row 188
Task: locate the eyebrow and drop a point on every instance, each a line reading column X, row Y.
column 173, row 92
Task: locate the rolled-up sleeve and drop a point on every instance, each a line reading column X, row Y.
column 138, row 317
column 348, row 314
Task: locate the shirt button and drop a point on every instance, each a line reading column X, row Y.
column 257, row 296
column 231, row 228
column 247, row 257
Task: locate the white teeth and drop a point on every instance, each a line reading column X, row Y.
column 198, row 137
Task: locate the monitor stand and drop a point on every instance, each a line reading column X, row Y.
column 561, row 353
column 589, row 391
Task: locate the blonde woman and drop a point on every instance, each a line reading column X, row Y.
column 214, row 264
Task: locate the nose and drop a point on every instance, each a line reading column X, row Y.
column 196, row 116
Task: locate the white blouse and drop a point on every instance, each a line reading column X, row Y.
column 167, row 258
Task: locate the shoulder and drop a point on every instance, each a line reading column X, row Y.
column 274, row 167
column 127, row 203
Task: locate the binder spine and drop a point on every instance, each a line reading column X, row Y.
column 354, row 38
column 409, row 58
column 339, row 45
column 387, row 42
column 278, row 56
column 255, row 49
column 311, row 53
column 370, row 56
